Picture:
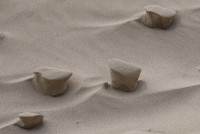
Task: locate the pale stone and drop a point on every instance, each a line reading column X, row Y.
column 157, row 17
column 51, row 81
column 29, row 120
column 124, row 75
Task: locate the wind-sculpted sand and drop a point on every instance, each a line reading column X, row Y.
column 77, row 39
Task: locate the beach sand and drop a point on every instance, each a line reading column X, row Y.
column 81, row 36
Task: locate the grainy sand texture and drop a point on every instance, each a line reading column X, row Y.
column 80, row 37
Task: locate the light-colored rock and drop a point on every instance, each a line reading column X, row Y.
column 124, row 75
column 29, row 120
column 157, row 17
column 51, row 81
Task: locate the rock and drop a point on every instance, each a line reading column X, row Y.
column 51, row 81
column 2, row 36
column 124, row 75
column 29, row 120
column 157, row 17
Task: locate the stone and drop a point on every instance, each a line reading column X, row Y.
column 157, row 17
column 124, row 75
column 51, row 81
column 2, row 36
column 29, row 120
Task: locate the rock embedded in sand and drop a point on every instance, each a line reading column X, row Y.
column 124, row 75
column 51, row 81
column 29, row 120
column 2, row 36
column 157, row 17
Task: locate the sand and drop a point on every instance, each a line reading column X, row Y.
column 80, row 37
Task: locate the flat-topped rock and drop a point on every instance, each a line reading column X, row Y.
column 51, row 81
column 157, row 17
column 164, row 12
column 51, row 73
column 124, row 75
column 29, row 120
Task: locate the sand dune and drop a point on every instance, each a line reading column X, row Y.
column 81, row 37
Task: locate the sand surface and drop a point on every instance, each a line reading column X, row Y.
column 80, row 36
